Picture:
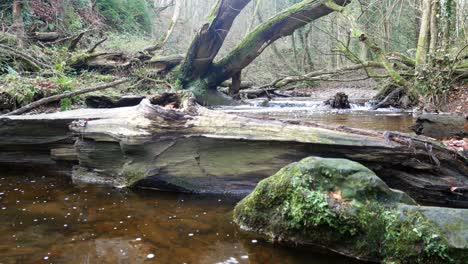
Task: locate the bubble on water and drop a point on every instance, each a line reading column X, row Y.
column 150, row 256
column 244, row 257
column 254, row 241
column 138, row 239
column 46, row 257
column 190, row 234
column 65, row 225
column 4, row 208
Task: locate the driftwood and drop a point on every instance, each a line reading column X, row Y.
column 45, row 36
column 198, row 150
column 59, row 97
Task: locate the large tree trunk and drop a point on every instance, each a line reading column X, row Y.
column 204, row 151
column 202, row 76
column 281, row 25
column 207, row 43
column 423, row 41
column 18, row 24
column 434, row 28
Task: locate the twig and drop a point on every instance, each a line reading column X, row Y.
column 22, row 54
column 75, row 42
column 58, row 97
column 91, row 50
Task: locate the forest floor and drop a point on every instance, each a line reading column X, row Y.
column 458, row 101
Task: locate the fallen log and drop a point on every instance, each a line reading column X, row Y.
column 7, row 38
column 441, row 126
column 59, row 97
column 197, row 150
column 111, row 62
column 45, row 36
column 25, row 57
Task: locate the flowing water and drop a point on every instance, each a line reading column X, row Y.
column 48, row 219
column 359, row 116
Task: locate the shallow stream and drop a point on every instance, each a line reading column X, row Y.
column 359, row 116
column 48, row 219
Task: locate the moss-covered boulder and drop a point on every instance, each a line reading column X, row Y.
column 343, row 206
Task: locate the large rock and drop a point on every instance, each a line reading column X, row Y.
column 342, row 205
column 441, row 126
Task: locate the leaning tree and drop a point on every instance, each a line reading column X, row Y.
column 201, row 74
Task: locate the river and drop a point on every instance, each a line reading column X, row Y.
column 48, row 219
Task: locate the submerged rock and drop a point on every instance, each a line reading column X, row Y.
column 342, row 205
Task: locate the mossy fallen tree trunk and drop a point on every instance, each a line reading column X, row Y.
column 197, row 150
column 112, row 62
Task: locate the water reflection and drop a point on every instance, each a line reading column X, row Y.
column 47, row 219
column 359, row 116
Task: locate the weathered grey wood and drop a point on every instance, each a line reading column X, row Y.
column 195, row 149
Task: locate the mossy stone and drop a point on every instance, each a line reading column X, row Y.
column 342, row 205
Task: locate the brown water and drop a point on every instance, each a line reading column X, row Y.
column 47, row 219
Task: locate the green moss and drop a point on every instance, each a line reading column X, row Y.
column 133, row 173
column 344, row 206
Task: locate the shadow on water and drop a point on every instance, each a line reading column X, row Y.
column 47, row 219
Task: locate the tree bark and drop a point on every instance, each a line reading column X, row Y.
column 283, row 24
column 18, row 24
column 208, row 41
column 236, row 85
column 423, row 41
column 434, row 31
